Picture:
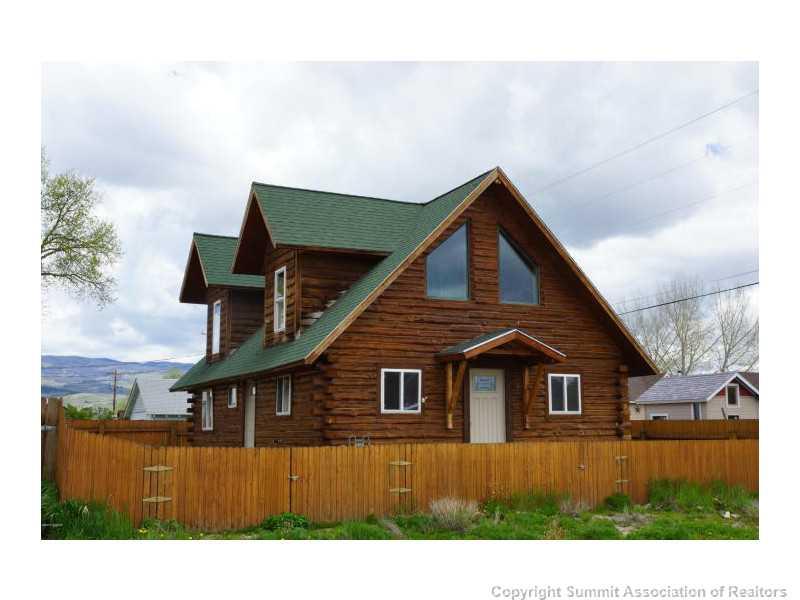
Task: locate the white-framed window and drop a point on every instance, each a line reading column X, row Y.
column 565, row 394
column 697, row 414
column 732, row 394
column 232, row 397
column 207, row 414
column 401, row 390
column 659, row 417
column 279, row 298
column 283, row 395
column 216, row 318
column 733, row 417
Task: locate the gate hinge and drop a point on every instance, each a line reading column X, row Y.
column 294, row 477
column 401, row 490
column 157, row 499
column 399, row 463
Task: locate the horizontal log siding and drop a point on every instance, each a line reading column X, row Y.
column 301, row 428
column 324, row 275
column 403, row 328
column 274, row 261
column 213, row 294
column 245, row 315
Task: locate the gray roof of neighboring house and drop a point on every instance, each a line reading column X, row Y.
column 153, row 391
column 638, row 385
column 689, row 388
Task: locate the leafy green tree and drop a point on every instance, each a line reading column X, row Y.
column 173, row 373
column 77, row 247
column 99, row 413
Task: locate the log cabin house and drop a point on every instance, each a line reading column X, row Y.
column 336, row 319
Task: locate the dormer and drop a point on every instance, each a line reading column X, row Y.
column 233, row 301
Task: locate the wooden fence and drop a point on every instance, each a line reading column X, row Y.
column 51, row 409
column 695, row 430
column 151, row 433
column 225, row 488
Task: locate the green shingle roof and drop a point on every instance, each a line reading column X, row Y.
column 311, row 218
column 216, row 256
column 407, row 234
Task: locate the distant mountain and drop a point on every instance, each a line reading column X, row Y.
column 69, row 375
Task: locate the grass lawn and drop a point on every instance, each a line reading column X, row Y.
column 677, row 510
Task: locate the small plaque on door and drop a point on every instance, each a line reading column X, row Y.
column 484, row 383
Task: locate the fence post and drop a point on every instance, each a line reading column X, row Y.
column 51, row 408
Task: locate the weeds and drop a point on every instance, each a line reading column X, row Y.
column 677, row 510
column 454, row 514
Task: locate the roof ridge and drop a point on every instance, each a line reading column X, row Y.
column 288, row 187
column 481, row 176
column 216, row 235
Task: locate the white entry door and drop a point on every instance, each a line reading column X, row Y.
column 250, row 417
column 487, row 406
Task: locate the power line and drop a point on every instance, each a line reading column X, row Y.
column 738, row 287
column 629, row 300
column 636, row 224
column 643, row 143
column 655, row 176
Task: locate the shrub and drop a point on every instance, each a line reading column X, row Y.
column 617, row 502
column 455, row 514
column 285, row 520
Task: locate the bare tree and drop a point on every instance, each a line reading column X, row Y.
column 678, row 335
column 736, row 328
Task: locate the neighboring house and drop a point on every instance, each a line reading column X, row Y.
column 151, row 399
column 694, row 397
column 337, row 319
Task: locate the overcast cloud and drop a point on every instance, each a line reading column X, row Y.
column 175, row 147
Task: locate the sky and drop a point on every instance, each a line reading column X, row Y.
column 174, row 148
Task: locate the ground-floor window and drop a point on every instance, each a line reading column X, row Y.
column 232, row 397
column 207, row 414
column 659, row 417
column 733, row 417
column 565, row 394
column 283, row 395
column 401, row 390
column 696, row 415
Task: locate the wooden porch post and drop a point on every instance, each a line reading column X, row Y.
column 530, row 390
column 454, row 389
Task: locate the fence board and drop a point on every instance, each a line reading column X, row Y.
column 223, row 488
column 151, row 433
column 695, row 430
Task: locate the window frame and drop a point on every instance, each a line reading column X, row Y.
column 468, row 297
column 216, row 327
column 235, row 391
column 207, row 400
column 659, row 417
column 699, row 407
column 734, row 418
column 566, row 410
column 532, row 265
column 278, row 387
column 401, row 410
column 738, row 396
column 275, row 299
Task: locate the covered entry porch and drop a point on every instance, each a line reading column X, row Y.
column 479, row 371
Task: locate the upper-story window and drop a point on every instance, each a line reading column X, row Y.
column 446, row 268
column 216, row 316
column 732, row 393
column 519, row 278
column 279, row 296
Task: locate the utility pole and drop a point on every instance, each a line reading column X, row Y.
column 114, row 398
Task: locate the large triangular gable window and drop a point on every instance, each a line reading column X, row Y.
column 446, row 268
column 519, row 278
